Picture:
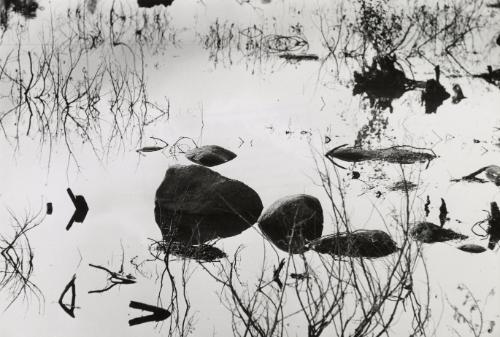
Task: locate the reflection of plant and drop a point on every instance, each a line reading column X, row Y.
column 18, row 257
column 347, row 295
column 73, row 87
column 471, row 313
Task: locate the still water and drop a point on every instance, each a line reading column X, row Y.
column 102, row 80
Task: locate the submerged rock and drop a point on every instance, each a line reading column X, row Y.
column 472, row 248
column 201, row 252
column 395, row 154
column 210, row 155
column 195, row 204
column 428, row 232
column 291, row 222
column 360, row 243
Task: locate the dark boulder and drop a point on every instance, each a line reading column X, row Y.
column 195, row 204
column 291, row 222
column 360, row 243
column 428, row 232
column 210, row 155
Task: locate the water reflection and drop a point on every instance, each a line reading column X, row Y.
column 26, row 8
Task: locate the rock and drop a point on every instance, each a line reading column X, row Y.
column 202, row 252
column 472, row 248
column 360, row 243
column 210, row 155
column 195, row 204
column 402, row 154
column 292, row 221
column 428, row 232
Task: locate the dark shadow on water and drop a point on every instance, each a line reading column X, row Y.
column 157, row 314
column 26, row 8
column 81, row 209
column 152, row 3
column 382, row 82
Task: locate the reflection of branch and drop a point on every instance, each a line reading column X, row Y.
column 114, row 278
column 158, row 314
column 69, row 309
column 18, row 258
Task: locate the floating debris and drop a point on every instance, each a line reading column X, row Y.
column 210, row 155
column 403, row 185
column 49, row 208
column 299, row 57
column 494, row 225
column 360, row 243
column 443, row 212
column 428, row 232
column 201, row 252
column 153, row 148
column 157, row 314
column 276, row 274
column 115, row 278
column 69, row 309
column 397, row 154
column 301, row 276
column 81, row 209
column 426, row 206
column 472, row 248
column 458, row 95
column 492, row 173
column 492, row 76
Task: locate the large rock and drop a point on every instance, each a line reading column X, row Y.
column 195, row 204
column 291, row 222
column 360, row 243
column 428, row 232
column 210, row 155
